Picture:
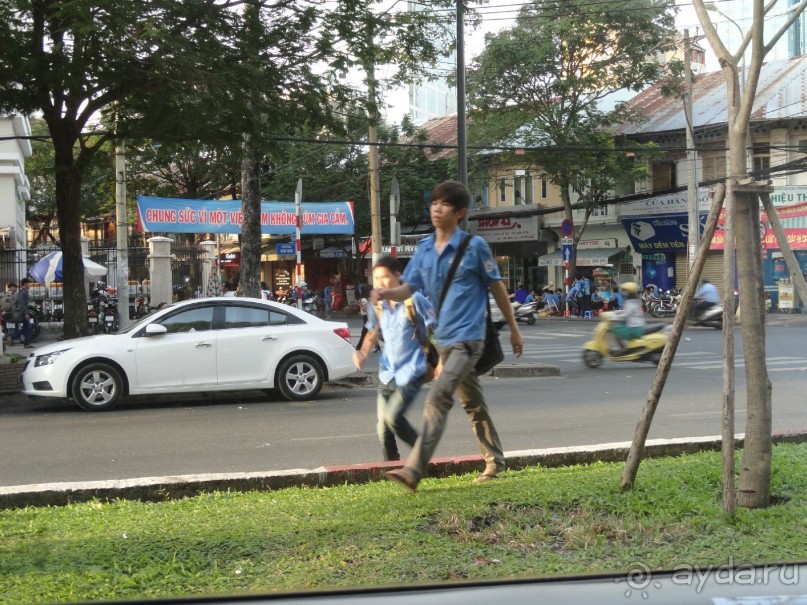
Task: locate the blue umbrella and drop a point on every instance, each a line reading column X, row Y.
column 49, row 269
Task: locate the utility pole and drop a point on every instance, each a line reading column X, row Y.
column 375, row 188
column 122, row 233
column 693, row 237
column 394, row 207
column 462, row 146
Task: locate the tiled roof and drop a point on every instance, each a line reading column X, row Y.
column 441, row 131
column 780, row 95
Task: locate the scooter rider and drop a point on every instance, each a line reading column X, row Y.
column 707, row 294
column 630, row 321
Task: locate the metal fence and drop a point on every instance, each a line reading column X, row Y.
column 187, row 268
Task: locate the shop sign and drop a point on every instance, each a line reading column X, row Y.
column 672, row 203
column 332, row 252
column 596, row 243
column 287, row 249
column 506, row 229
column 666, row 233
column 401, row 250
column 318, row 243
column 797, row 238
column 231, row 259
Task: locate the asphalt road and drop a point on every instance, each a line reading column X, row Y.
column 47, row 441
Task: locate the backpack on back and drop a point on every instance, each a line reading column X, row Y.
column 6, row 302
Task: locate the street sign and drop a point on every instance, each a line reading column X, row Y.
column 567, row 252
column 566, row 227
column 286, row 249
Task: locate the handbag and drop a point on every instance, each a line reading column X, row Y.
column 429, row 350
column 492, row 354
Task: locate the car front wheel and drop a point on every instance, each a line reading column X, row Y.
column 300, row 377
column 97, row 387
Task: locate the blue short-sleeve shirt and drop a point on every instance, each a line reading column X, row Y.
column 462, row 316
column 402, row 357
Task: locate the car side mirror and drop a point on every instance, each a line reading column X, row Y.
column 155, row 329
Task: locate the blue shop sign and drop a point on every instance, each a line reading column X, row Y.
column 665, row 233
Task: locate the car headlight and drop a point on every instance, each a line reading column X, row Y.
column 48, row 358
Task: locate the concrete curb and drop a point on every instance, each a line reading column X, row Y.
column 157, row 489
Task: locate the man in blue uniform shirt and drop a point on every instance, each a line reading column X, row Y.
column 460, row 330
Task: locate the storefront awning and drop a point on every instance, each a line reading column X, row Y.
column 587, row 257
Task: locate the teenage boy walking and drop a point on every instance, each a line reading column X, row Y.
column 460, row 330
column 403, row 361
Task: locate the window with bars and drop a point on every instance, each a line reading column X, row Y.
column 762, row 160
column 664, row 176
column 714, row 165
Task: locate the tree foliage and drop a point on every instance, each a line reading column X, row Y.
column 551, row 80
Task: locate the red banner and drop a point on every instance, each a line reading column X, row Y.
column 797, row 238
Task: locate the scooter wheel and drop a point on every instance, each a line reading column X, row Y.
column 654, row 358
column 530, row 319
column 592, row 359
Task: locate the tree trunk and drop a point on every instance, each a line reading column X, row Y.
column 663, row 370
column 251, row 219
column 729, row 486
column 755, row 476
column 68, row 211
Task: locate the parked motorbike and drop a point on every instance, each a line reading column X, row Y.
column 666, row 304
column 646, row 348
column 36, row 316
column 526, row 313
column 711, row 317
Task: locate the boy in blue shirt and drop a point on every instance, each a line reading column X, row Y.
column 460, row 330
column 402, row 366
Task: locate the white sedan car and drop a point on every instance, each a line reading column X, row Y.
column 202, row 345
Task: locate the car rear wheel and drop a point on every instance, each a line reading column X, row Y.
column 300, row 377
column 97, row 387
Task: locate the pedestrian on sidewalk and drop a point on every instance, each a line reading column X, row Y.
column 460, row 330
column 403, row 362
column 21, row 316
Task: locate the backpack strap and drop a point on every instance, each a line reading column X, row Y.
column 453, row 270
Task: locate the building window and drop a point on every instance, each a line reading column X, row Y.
column 664, row 176
column 600, row 211
column 502, row 191
column 522, row 187
column 714, row 165
column 544, row 187
column 762, row 160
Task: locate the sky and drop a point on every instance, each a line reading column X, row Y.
column 499, row 14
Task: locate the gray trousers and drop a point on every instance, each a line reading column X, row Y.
column 458, row 377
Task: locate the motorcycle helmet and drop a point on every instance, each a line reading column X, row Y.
column 630, row 286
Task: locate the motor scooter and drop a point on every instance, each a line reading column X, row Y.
column 311, row 304
column 711, row 317
column 525, row 313
column 646, row 348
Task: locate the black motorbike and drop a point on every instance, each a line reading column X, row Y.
column 666, row 304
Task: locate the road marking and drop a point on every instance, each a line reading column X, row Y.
column 332, row 437
column 715, row 413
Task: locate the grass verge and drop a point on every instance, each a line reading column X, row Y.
column 528, row 523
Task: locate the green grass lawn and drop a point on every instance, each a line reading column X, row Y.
column 535, row 522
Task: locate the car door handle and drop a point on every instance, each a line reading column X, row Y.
column 203, row 345
column 269, row 338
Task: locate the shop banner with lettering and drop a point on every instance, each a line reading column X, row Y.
column 797, row 238
column 665, row 233
column 173, row 215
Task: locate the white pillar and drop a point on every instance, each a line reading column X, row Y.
column 209, row 246
column 160, row 270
